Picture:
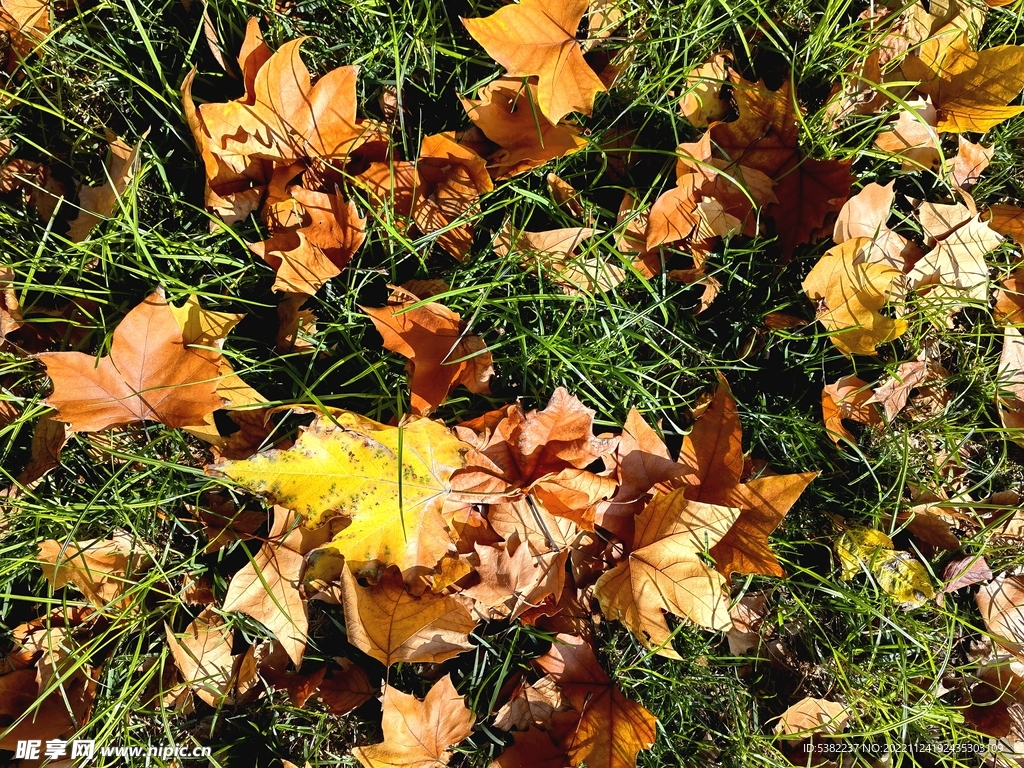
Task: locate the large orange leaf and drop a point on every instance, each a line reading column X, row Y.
column 441, row 354
column 391, row 482
column 665, row 572
column 390, row 624
column 538, row 37
column 150, row 374
column 970, row 89
column 419, row 734
column 610, row 729
column 506, row 112
column 712, row 452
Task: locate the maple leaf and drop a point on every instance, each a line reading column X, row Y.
column 865, row 215
column 531, row 706
column 1001, row 603
column 913, row 137
column 956, row 269
column 316, row 242
column 1007, row 220
column 391, row 482
column 419, row 734
column 847, row 398
column 553, row 254
column 702, row 102
column 150, row 374
column 712, row 452
column 203, row 656
column 516, row 580
column 267, row 588
column 392, row 625
column 101, row 569
column 97, row 203
column 851, row 292
column 765, row 138
column 895, row 391
column 610, row 729
column 441, row 354
column 970, row 162
column 1009, row 307
column 664, row 571
column 538, row 37
column 27, row 22
column 810, row 715
column 970, row 89
column 344, row 690
column 505, row 112
column 29, row 711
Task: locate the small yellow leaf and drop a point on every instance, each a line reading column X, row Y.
column 897, row 573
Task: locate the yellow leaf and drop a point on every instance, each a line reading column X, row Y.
column 897, row 573
column 391, row 482
column 853, row 292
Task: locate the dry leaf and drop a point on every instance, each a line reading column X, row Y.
column 608, row 730
column 268, row 587
column 553, row 253
column 1007, row 220
column 865, row 215
column 391, row 482
column 203, row 656
column 851, row 292
column 913, row 137
column 894, row 392
column 747, row 616
column 538, row 37
column 1001, row 603
column 702, row 103
column 956, row 267
column 1009, row 308
column 809, row 716
column 98, row 203
column 517, row 581
column 390, row 624
column 847, row 398
column 970, row 162
column 27, row 22
column 419, row 734
column 44, row 717
column 150, row 373
column 343, row 691
column 664, row 571
column 531, row 706
column 441, row 353
column 101, row 569
column 1010, row 380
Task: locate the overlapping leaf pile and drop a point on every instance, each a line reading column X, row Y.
column 424, row 532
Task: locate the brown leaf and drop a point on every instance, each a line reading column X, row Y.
column 441, row 354
column 42, row 717
column 1007, row 220
column 150, row 373
column 1001, row 603
column 517, row 581
column 810, row 715
column 702, row 102
column 203, row 656
column 894, row 392
column 712, row 452
column 101, row 569
column 747, row 616
column 535, row 748
column 956, row 267
column 554, row 254
column 538, row 37
column 419, row 733
column 344, row 690
column 971, row 161
column 27, row 22
column 268, row 587
column 506, row 112
column 962, row 573
column 391, row 625
column 1009, row 308
column 913, row 138
column 847, row 398
column 531, row 706
column 1010, row 379
column 98, row 203
column 865, row 215
column 293, row 324
column 610, row 729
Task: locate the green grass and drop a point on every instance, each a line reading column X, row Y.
column 118, row 66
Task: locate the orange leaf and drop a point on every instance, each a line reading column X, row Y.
column 847, row 398
column 538, row 37
column 418, row 734
column 441, row 354
column 150, row 373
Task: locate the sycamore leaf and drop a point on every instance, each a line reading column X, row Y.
column 894, row 392
column 810, row 715
column 419, row 734
column 344, row 690
column 970, row 89
column 519, row 580
column 203, row 656
column 391, row 482
column 1009, row 308
column 553, row 253
column 441, row 354
column 851, row 292
column 1001, row 603
column 712, row 452
column 27, row 22
column 609, row 729
column 1007, row 220
column 392, row 625
column 538, row 37
column 101, row 569
column 956, row 267
column 150, row 373
column 702, row 102
column 847, row 398
column 913, row 138
column 26, row 715
column 665, row 572
column 97, row 203
column 267, row 588
column 531, row 706
column 970, row 162
column 865, row 215
column 535, row 748
column 506, row 112
column 897, row 573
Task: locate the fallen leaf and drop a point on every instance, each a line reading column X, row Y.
column 1001, row 603
column 538, row 37
column 962, row 573
column 956, row 269
column 390, row 624
column 101, row 569
column 847, row 398
column 712, row 452
column 610, row 729
column 294, row 325
column 344, row 690
column 1010, row 380
column 809, row 716
column 747, row 615
column 203, row 656
column 441, row 353
column 1007, row 220
column 98, row 203
column 535, row 748
column 267, row 588
column 897, row 573
column 892, row 394
column 553, row 253
column 391, row 482
column 150, row 374
column 418, row 734
column 970, row 162
column 702, row 102
column 939, row 220
column 564, row 194
column 664, row 571
column 865, row 215
column 851, row 292
column 516, row 581
column 29, row 713
column 27, row 22
column 970, row 89
column 1009, row 308
column 913, row 138
column 531, row 707
column 506, row 112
